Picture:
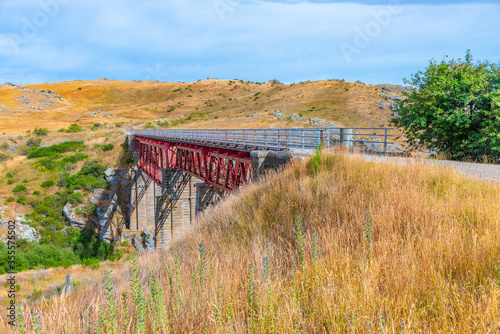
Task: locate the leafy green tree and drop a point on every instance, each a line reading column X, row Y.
column 454, row 108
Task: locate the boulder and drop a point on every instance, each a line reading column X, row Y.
column 137, row 243
column 387, row 88
column 110, row 176
column 397, row 98
column 148, row 241
column 295, row 117
column 24, row 231
column 70, row 216
column 381, row 105
column 279, row 114
column 254, row 115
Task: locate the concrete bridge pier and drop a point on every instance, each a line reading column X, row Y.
column 170, row 210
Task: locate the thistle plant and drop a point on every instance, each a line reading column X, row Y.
column 20, row 321
column 126, row 310
column 381, row 324
column 85, row 319
column 202, row 267
column 138, row 299
column 252, row 297
column 315, row 247
column 368, row 230
column 300, row 239
column 37, row 325
column 160, row 318
column 111, row 304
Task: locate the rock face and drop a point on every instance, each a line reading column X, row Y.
column 148, row 243
column 110, row 176
column 279, row 114
column 23, row 231
column 70, row 216
column 397, row 98
column 137, row 243
column 144, row 242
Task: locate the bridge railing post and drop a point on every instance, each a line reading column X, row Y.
column 385, row 141
column 302, row 141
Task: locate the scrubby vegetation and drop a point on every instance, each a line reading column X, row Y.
column 55, row 151
column 41, row 131
column 60, row 244
column 334, row 245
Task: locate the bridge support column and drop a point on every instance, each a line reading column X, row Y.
column 265, row 160
column 142, row 198
column 175, row 206
column 206, row 196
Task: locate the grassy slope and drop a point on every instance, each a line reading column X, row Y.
column 139, row 102
column 429, row 266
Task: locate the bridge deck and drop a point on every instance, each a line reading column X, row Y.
column 297, row 140
column 221, row 158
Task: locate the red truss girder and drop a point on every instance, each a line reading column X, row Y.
column 221, row 168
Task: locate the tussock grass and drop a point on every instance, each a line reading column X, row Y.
column 332, row 245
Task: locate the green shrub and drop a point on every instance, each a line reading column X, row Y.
column 91, row 176
column 75, row 198
column 36, row 192
column 91, row 263
column 19, row 188
column 75, row 158
column 41, row 131
column 8, row 200
column 10, row 181
column 48, row 184
column 4, row 157
column 55, row 151
column 5, row 145
column 74, row 128
column 9, row 174
column 31, row 145
column 21, row 200
column 149, row 126
column 107, row 147
column 79, row 88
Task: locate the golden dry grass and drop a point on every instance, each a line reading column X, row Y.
column 429, row 267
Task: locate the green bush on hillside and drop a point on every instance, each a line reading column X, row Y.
column 107, row 147
column 41, row 131
column 74, row 128
column 55, row 151
column 19, row 188
column 4, row 157
column 48, row 184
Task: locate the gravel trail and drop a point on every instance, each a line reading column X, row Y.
column 488, row 172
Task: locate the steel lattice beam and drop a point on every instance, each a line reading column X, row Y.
column 225, row 169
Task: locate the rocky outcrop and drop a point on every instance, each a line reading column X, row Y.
column 23, row 231
column 110, row 176
column 144, row 242
column 148, row 241
column 279, row 114
column 71, row 217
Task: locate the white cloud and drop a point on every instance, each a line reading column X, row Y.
column 256, row 40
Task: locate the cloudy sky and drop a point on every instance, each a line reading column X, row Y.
column 259, row 40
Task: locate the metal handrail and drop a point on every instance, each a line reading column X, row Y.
column 289, row 139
